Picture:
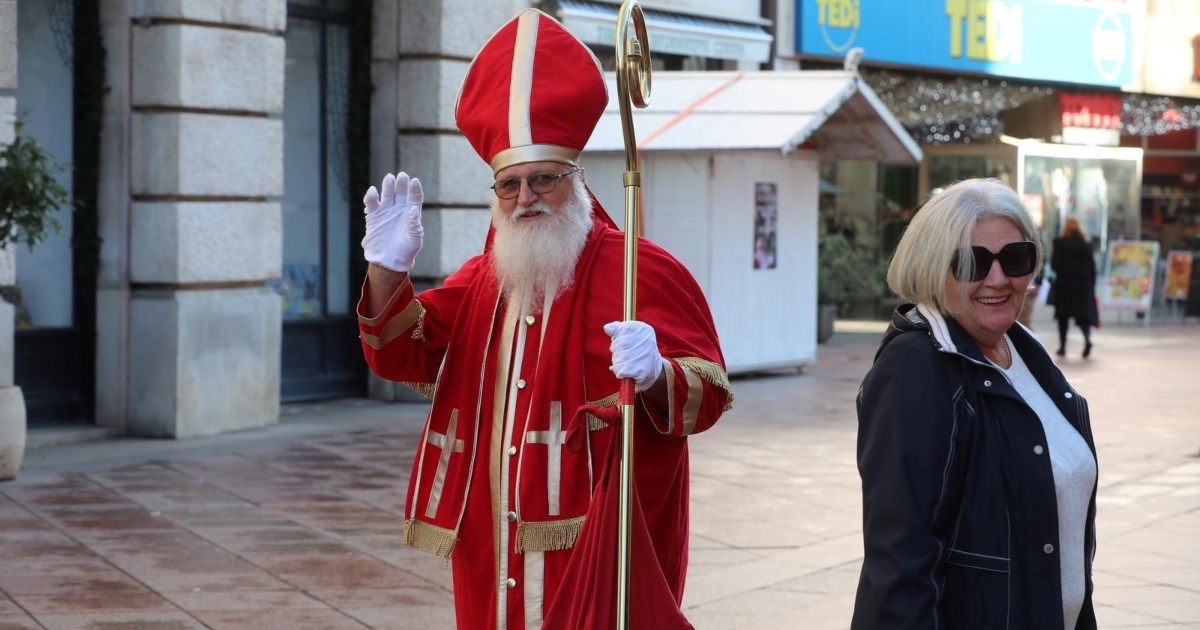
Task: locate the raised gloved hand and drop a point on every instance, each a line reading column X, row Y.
column 634, row 353
column 394, row 230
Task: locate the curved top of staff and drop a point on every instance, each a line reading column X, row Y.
column 633, row 72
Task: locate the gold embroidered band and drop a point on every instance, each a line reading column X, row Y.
column 375, row 321
column 695, row 396
column 412, row 314
column 711, row 372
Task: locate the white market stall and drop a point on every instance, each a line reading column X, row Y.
column 730, row 186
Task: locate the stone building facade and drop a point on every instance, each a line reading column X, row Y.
column 222, row 187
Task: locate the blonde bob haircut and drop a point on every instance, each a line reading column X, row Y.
column 920, row 270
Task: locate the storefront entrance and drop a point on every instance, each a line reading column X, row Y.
column 52, row 350
column 321, row 357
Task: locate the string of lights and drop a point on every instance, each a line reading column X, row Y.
column 963, row 110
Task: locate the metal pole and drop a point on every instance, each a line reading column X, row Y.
column 633, row 88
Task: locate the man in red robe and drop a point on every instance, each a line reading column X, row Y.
column 521, row 350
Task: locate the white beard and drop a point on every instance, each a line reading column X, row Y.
column 536, row 257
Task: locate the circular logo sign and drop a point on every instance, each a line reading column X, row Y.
column 839, row 21
column 1108, row 46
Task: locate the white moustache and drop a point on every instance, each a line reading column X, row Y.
column 532, row 210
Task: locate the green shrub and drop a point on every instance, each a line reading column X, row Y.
column 848, row 265
column 29, row 194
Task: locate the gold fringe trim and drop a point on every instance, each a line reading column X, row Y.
column 424, row 389
column 711, row 372
column 429, row 538
column 548, row 535
column 610, row 399
column 418, row 333
column 594, row 423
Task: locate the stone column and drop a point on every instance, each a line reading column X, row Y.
column 12, row 403
column 419, row 57
column 205, row 151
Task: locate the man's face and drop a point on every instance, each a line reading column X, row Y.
column 538, row 236
column 524, row 200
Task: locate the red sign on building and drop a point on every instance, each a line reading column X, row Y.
column 1100, row 111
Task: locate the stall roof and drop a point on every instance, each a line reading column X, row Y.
column 832, row 111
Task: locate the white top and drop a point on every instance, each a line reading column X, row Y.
column 1074, row 477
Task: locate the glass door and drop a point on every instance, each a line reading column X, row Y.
column 48, row 353
column 321, row 357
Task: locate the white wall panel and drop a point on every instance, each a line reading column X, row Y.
column 765, row 317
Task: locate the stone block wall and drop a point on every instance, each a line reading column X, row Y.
column 203, row 90
column 420, row 53
column 436, row 43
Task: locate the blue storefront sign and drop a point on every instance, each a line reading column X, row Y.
column 1047, row 40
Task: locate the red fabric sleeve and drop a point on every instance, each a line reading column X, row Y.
column 407, row 340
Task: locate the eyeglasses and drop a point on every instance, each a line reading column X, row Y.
column 1016, row 260
column 540, row 183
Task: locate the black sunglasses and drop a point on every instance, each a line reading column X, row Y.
column 1016, row 260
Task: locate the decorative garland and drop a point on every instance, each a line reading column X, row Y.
column 941, row 109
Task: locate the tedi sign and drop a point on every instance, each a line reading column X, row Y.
column 986, row 30
column 1045, row 40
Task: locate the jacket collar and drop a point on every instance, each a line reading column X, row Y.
column 949, row 336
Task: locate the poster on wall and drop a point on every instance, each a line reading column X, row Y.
column 1179, row 274
column 1130, row 281
column 766, row 223
column 300, row 287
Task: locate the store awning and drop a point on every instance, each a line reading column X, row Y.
column 670, row 33
column 831, row 111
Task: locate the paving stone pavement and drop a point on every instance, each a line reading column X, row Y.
column 298, row 525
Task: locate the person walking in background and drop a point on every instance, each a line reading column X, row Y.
column 976, row 456
column 522, row 351
column 1074, row 285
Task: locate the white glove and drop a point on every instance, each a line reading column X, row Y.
column 634, row 353
column 394, row 230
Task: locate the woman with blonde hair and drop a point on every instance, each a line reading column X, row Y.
column 976, row 456
column 1074, row 285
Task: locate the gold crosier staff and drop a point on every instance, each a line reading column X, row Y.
column 633, row 87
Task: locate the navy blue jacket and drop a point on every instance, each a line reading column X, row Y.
column 960, row 521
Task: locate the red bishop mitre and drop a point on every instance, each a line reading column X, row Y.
column 533, row 93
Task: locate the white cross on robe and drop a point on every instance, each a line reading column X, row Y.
column 448, row 443
column 554, row 439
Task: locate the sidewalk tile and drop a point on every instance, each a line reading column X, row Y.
column 18, row 622
column 301, row 619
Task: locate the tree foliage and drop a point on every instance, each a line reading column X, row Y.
column 29, row 193
column 848, row 265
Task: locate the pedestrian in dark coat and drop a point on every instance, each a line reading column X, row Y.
column 976, row 456
column 1074, row 285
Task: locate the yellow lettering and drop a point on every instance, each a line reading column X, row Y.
column 993, row 32
column 977, row 29
column 956, row 10
column 997, row 15
column 838, row 13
